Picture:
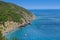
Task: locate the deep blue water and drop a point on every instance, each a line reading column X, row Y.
column 45, row 27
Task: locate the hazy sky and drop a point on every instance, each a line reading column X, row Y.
column 37, row 4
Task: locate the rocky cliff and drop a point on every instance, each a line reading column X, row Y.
column 13, row 16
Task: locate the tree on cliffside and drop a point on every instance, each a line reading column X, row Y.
column 2, row 37
column 3, row 18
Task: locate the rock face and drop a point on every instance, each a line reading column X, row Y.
column 13, row 17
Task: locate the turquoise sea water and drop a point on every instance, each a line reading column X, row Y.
column 45, row 27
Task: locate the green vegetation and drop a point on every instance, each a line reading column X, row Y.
column 3, row 18
column 2, row 37
column 12, row 12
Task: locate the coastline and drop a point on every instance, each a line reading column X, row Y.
column 12, row 29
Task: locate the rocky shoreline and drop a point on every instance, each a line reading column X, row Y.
column 13, row 17
column 13, row 26
column 12, row 30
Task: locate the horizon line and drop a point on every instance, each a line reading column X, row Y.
column 42, row 9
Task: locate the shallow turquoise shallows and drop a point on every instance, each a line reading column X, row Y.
column 45, row 27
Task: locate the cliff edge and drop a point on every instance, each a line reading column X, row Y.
column 13, row 16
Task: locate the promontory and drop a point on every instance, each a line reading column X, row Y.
column 13, row 16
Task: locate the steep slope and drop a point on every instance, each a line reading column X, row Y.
column 13, row 16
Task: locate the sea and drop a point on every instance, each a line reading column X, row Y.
column 46, row 26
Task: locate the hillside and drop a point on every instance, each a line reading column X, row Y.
column 13, row 16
